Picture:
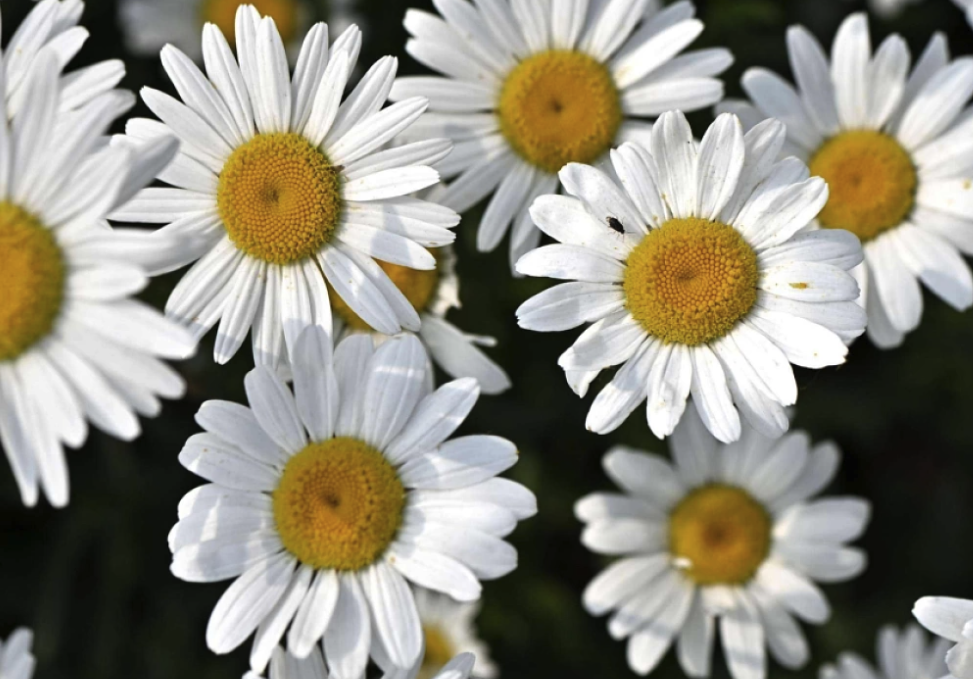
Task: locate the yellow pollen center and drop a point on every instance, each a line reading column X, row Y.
column 32, row 276
column 417, row 286
column 279, row 198
column 339, row 505
column 721, row 534
column 223, row 14
column 439, row 651
column 871, row 179
column 690, row 281
column 560, row 107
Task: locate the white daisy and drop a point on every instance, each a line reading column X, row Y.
column 951, row 619
column 897, row 152
column 449, row 629
column 902, row 654
column 53, row 24
column 150, row 25
column 531, row 85
column 697, row 276
column 74, row 345
column 727, row 534
column 432, row 294
column 325, row 504
column 283, row 665
column 16, row 660
column 280, row 187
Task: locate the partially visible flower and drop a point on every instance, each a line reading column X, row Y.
column 696, row 272
column 449, row 629
column 531, row 85
column 951, row 619
column 432, row 294
column 897, row 152
column 150, row 25
column 284, row 186
column 902, row 654
column 16, row 660
column 967, row 6
column 728, row 535
column 75, row 346
column 54, row 24
column 326, row 503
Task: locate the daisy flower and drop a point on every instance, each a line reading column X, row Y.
column 904, row 654
column 16, row 660
column 324, row 504
column 281, row 189
column 727, row 534
column 951, row 619
column 432, row 294
column 283, row 665
column 54, row 24
column 531, row 85
column 896, row 151
column 449, row 629
column 150, row 25
column 697, row 276
column 74, row 346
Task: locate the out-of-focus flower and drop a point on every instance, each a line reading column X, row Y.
column 727, row 535
column 531, row 85
column 897, row 152
column 697, row 275
column 281, row 189
column 16, row 660
column 449, row 630
column 325, row 503
column 902, row 654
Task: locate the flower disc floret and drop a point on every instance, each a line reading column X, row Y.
column 559, row 107
column 339, row 505
column 32, row 277
column 279, row 197
column 872, row 182
column 721, row 533
column 690, row 281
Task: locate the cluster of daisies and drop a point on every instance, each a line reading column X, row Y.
column 314, row 210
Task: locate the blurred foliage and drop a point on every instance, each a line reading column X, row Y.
column 93, row 580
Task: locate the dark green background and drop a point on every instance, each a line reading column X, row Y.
column 93, row 580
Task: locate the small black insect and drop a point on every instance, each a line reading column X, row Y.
column 615, row 225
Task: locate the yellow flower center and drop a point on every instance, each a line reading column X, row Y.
column 32, row 276
column 721, row 533
column 439, row 651
column 223, row 14
column 339, row 505
column 417, row 286
column 871, row 179
column 690, row 281
column 279, row 197
column 559, row 107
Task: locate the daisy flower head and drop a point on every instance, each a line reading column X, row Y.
column 895, row 148
column 75, row 347
column 697, row 275
column 325, row 504
column 449, row 629
column 433, row 294
column 16, row 660
column 53, row 24
column 531, row 85
column 150, row 25
column 951, row 619
column 902, row 654
column 282, row 190
column 726, row 533
column 283, row 665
